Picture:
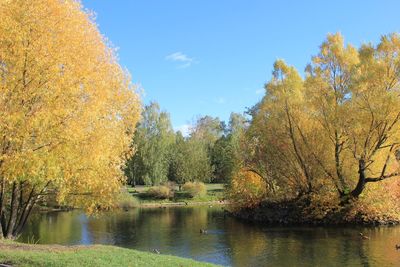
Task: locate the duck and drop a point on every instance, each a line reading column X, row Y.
column 364, row 236
column 203, row 231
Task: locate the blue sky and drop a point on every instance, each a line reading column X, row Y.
column 212, row 57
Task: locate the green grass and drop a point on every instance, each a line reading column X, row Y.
column 214, row 193
column 18, row 254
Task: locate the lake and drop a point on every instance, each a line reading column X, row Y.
column 228, row 241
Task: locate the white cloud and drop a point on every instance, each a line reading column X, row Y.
column 184, row 60
column 220, row 100
column 260, row 91
column 184, row 129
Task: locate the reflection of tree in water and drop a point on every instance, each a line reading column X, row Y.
column 229, row 241
column 275, row 246
column 53, row 228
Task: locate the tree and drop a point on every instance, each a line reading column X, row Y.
column 67, row 110
column 176, row 171
column 208, row 129
column 272, row 146
column 335, row 131
column 357, row 96
column 222, row 159
column 225, row 156
column 190, row 161
column 153, row 140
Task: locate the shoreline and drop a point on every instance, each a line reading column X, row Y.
column 148, row 205
column 183, row 204
column 294, row 213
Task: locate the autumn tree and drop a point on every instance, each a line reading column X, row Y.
column 67, row 110
column 272, row 146
column 356, row 95
column 152, row 141
column 334, row 131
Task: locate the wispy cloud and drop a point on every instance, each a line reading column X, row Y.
column 220, row 100
column 183, row 60
column 184, row 129
column 260, row 91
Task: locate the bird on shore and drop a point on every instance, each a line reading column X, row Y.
column 397, row 247
column 364, row 236
column 203, row 231
column 156, row 251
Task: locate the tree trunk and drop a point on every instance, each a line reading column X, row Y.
column 298, row 155
column 132, row 177
column 13, row 211
column 24, row 212
column 2, row 184
column 361, row 180
column 24, row 217
column 3, row 223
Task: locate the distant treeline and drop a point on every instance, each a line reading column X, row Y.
column 209, row 153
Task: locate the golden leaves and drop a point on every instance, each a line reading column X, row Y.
column 247, row 189
column 67, row 109
column 311, row 133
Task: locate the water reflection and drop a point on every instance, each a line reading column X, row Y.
column 228, row 241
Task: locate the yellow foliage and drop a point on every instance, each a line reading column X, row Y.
column 195, row 189
column 335, row 131
column 161, row 192
column 247, row 189
column 67, row 109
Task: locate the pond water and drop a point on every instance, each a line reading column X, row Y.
column 228, row 241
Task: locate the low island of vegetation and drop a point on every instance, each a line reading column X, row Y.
column 325, row 149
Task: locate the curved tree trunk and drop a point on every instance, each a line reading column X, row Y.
column 361, row 180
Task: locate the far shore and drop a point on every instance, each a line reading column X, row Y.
column 183, row 204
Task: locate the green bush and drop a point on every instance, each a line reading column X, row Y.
column 160, row 192
column 195, row 189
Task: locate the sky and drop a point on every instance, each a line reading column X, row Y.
column 213, row 57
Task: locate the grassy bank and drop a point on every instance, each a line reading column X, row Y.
column 215, row 195
column 134, row 197
column 19, row 254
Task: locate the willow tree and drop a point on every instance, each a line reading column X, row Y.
column 356, row 98
column 338, row 129
column 67, row 110
column 274, row 148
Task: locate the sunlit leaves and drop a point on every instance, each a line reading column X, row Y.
column 335, row 131
column 247, row 189
column 67, row 109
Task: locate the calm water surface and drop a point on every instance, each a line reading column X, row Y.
column 230, row 242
